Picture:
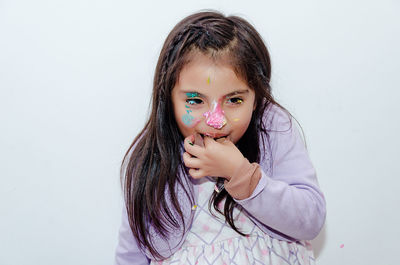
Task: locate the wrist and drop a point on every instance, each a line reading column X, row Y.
column 244, row 181
column 237, row 166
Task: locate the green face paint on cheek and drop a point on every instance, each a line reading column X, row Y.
column 187, row 118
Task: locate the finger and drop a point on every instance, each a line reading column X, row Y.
column 198, row 140
column 196, row 173
column 191, row 148
column 208, row 140
column 190, row 138
column 222, row 140
column 190, row 161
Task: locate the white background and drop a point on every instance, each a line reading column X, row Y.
column 75, row 82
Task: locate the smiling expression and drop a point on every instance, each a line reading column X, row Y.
column 210, row 99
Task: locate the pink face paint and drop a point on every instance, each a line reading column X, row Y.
column 216, row 117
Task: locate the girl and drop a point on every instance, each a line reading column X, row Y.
column 218, row 175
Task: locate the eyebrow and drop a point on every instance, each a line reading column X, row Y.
column 193, row 93
column 237, row 92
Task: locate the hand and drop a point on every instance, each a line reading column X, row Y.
column 217, row 158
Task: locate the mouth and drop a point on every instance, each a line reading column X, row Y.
column 215, row 136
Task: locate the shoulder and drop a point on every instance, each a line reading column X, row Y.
column 277, row 120
column 280, row 133
column 276, row 125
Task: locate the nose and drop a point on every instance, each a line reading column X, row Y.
column 215, row 118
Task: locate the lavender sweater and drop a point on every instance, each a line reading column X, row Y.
column 287, row 203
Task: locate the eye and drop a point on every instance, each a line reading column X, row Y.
column 194, row 101
column 235, row 101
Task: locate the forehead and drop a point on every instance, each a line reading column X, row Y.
column 209, row 75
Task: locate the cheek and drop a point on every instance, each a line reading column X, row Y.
column 241, row 120
column 240, row 117
column 241, row 126
column 188, row 118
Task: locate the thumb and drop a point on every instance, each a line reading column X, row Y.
column 208, row 140
column 199, row 140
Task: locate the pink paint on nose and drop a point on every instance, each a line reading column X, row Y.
column 215, row 118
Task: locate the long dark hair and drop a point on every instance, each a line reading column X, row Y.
column 151, row 164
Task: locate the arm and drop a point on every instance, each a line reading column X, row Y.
column 288, row 204
column 128, row 251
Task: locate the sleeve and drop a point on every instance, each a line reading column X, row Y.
column 127, row 251
column 288, row 204
column 244, row 182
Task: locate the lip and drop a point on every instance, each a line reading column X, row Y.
column 215, row 135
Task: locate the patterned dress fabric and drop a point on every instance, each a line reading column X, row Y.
column 212, row 241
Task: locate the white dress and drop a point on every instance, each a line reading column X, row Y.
column 212, row 241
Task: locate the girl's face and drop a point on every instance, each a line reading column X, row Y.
column 211, row 100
